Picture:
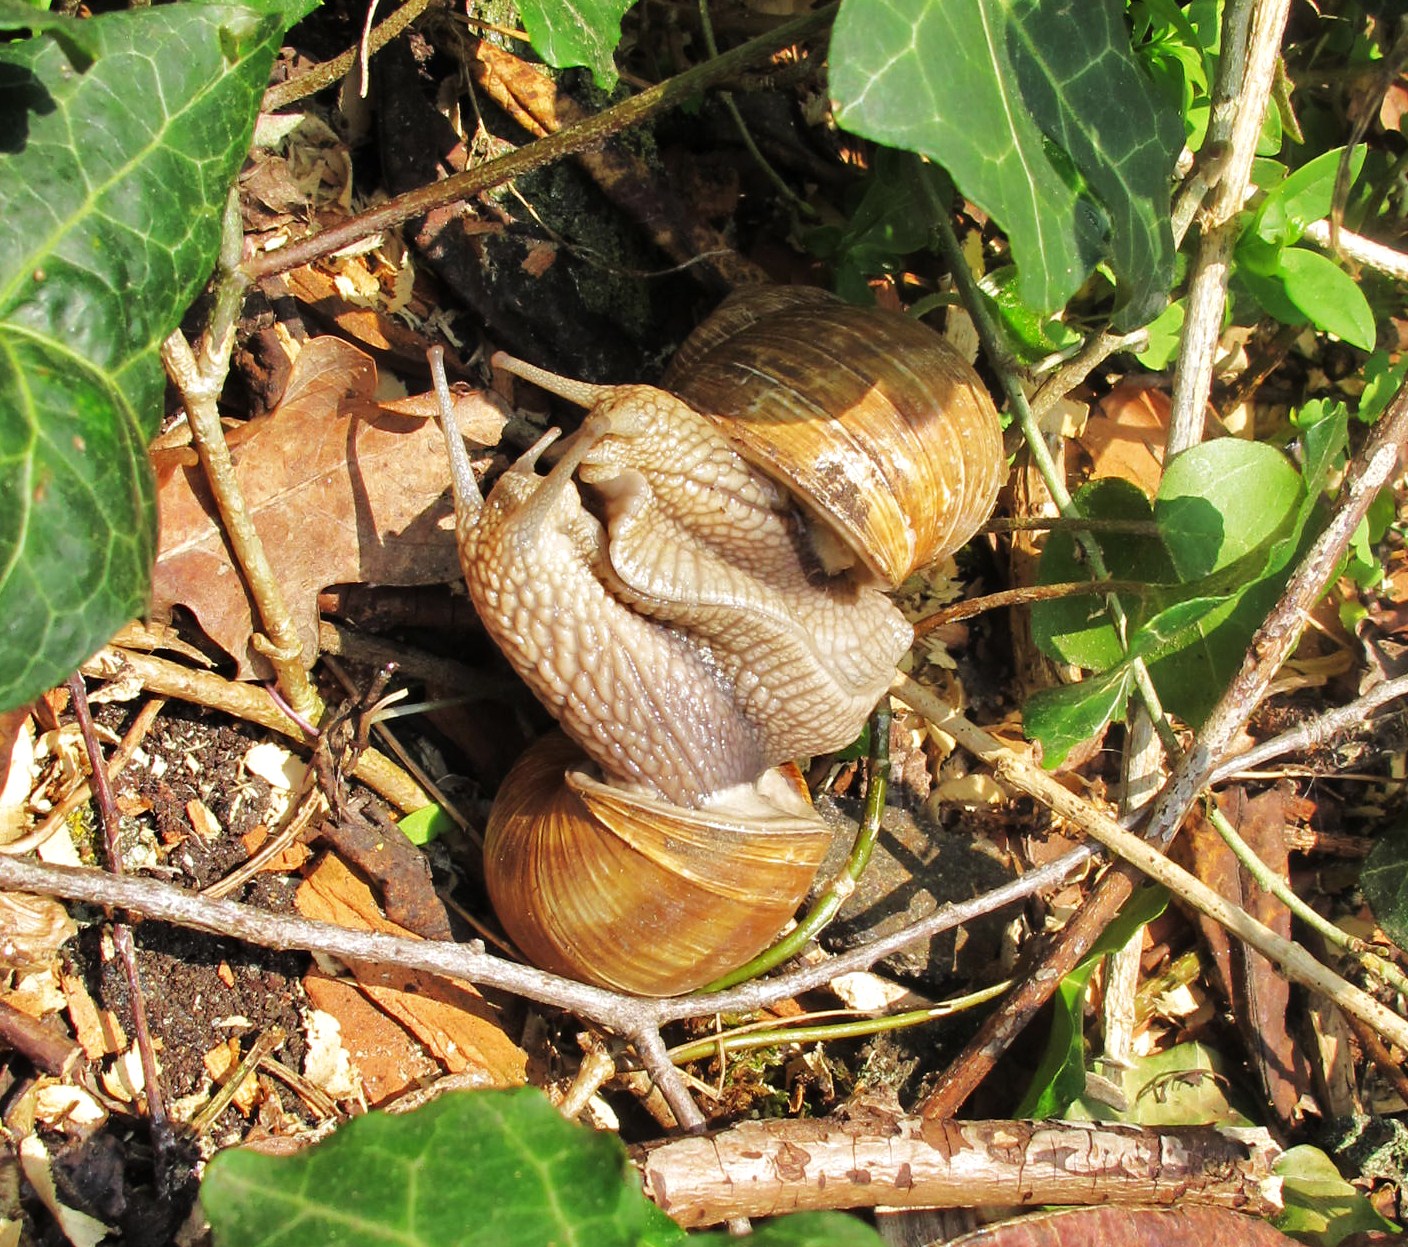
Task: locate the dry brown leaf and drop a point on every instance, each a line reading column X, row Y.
column 1258, row 994
column 1129, row 1227
column 341, row 490
column 1126, row 436
column 449, row 1017
column 384, row 1057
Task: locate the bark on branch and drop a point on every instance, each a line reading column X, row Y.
column 765, row 1168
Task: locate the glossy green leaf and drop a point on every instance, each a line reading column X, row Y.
column 1384, row 879
column 113, row 182
column 1064, row 717
column 566, row 33
column 1060, row 1074
column 1222, row 500
column 490, row 1168
column 1321, row 1207
column 1304, row 196
column 1328, row 297
column 1041, row 115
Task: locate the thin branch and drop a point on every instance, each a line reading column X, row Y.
column 1293, row 960
column 627, row 1015
column 1361, row 250
column 1274, row 641
column 565, row 142
column 1238, row 111
column 332, row 71
column 1313, row 733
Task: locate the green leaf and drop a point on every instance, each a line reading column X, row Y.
column 1062, row 718
column 71, row 33
column 1222, row 500
column 425, row 824
column 490, row 1168
column 1165, row 337
column 1384, row 878
column 566, row 33
column 1060, row 1075
column 1077, row 629
column 1186, row 1085
column 1382, row 380
column 1191, row 679
column 1030, row 333
column 1328, row 297
column 1320, row 1205
column 113, row 182
column 1043, row 118
column 1304, row 196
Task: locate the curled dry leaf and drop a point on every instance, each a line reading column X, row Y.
column 341, row 489
column 31, row 929
column 1129, row 1227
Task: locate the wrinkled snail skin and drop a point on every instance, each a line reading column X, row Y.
column 696, row 538
column 690, row 630
column 641, row 699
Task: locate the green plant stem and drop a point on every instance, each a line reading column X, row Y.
column 1293, row 960
column 678, row 90
column 1001, row 361
column 332, row 71
column 841, row 887
column 706, row 25
column 1269, row 881
column 771, row 1033
column 1242, row 90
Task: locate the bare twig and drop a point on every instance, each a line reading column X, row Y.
column 1315, row 732
column 1241, row 94
column 200, row 390
column 1367, row 473
column 334, row 70
column 909, row 1162
column 565, row 142
column 121, row 931
column 1361, row 250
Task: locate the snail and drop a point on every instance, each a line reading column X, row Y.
column 695, row 590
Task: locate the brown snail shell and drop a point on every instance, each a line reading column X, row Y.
column 871, row 420
column 617, row 888
column 674, row 622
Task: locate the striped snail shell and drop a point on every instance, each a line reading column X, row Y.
column 669, row 590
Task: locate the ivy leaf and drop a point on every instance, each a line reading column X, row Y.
column 1062, row 718
column 566, row 33
column 1222, row 500
column 476, row 1169
column 1384, row 879
column 1043, row 118
column 401, row 1178
column 113, row 183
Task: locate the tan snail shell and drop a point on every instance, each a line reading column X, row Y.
column 590, row 880
column 876, row 424
column 682, row 633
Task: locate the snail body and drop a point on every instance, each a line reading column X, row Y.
column 691, row 631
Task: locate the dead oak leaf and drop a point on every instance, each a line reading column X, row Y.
column 342, row 490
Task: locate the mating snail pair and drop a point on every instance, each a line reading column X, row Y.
column 697, row 598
